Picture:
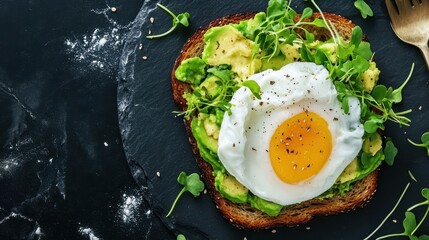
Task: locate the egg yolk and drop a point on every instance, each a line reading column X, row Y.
column 300, row 147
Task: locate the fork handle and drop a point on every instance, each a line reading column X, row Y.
column 425, row 51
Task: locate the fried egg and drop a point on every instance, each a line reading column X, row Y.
column 293, row 143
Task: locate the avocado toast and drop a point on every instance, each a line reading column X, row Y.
column 354, row 187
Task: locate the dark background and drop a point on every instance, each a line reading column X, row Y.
column 56, row 173
column 69, row 170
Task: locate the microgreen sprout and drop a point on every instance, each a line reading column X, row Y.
column 279, row 28
column 364, row 8
column 410, row 224
column 253, row 87
column 390, row 152
column 180, row 19
column 390, row 213
column 181, row 237
column 425, row 142
column 191, row 183
column 200, row 101
column 412, row 176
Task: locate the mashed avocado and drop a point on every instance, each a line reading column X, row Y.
column 211, row 85
column 370, row 76
column 191, row 70
column 291, row 52
column 227, row 45
column 372, row 144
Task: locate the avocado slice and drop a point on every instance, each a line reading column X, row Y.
column 201, row 135
column 370, row 76
column 270, row 208
column 230, row 188
column 350, row 173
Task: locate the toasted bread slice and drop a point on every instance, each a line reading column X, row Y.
column 243, row 215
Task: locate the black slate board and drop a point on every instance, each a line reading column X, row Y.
column 155, row 140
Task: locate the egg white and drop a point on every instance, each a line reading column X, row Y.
column 245, row 135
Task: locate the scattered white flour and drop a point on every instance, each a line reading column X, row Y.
column 129, row 210
column 98, row 50
column 101, row 48
column 88, row 232
column 106, row 144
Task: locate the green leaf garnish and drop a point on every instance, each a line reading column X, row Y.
column 181, row 237
column 364, row 8
column 356, row 38
column 389, row 214
column 409, row 223
column 373, row 123
column 253, row 87
column 390, row 152
column 191, row 183
column 308, row 12
column 199, row 101
column 180, row 19
column 396, row 95
column 276, row 8
column 425, row 142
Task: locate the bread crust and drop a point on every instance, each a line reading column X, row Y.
column 243, row 215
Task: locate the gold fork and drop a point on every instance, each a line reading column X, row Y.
column 410, row 22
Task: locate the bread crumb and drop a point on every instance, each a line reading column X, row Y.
column 394, row 221
column 151, row 19
column 231, row 220
column 158, row 174
column 149, row 32
column 113, row 9
column 205, row 191
column 106, row 144
column 420, row 108
column 273, row 231
column 141, row 46
column 308, row 228
column 144, row 57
